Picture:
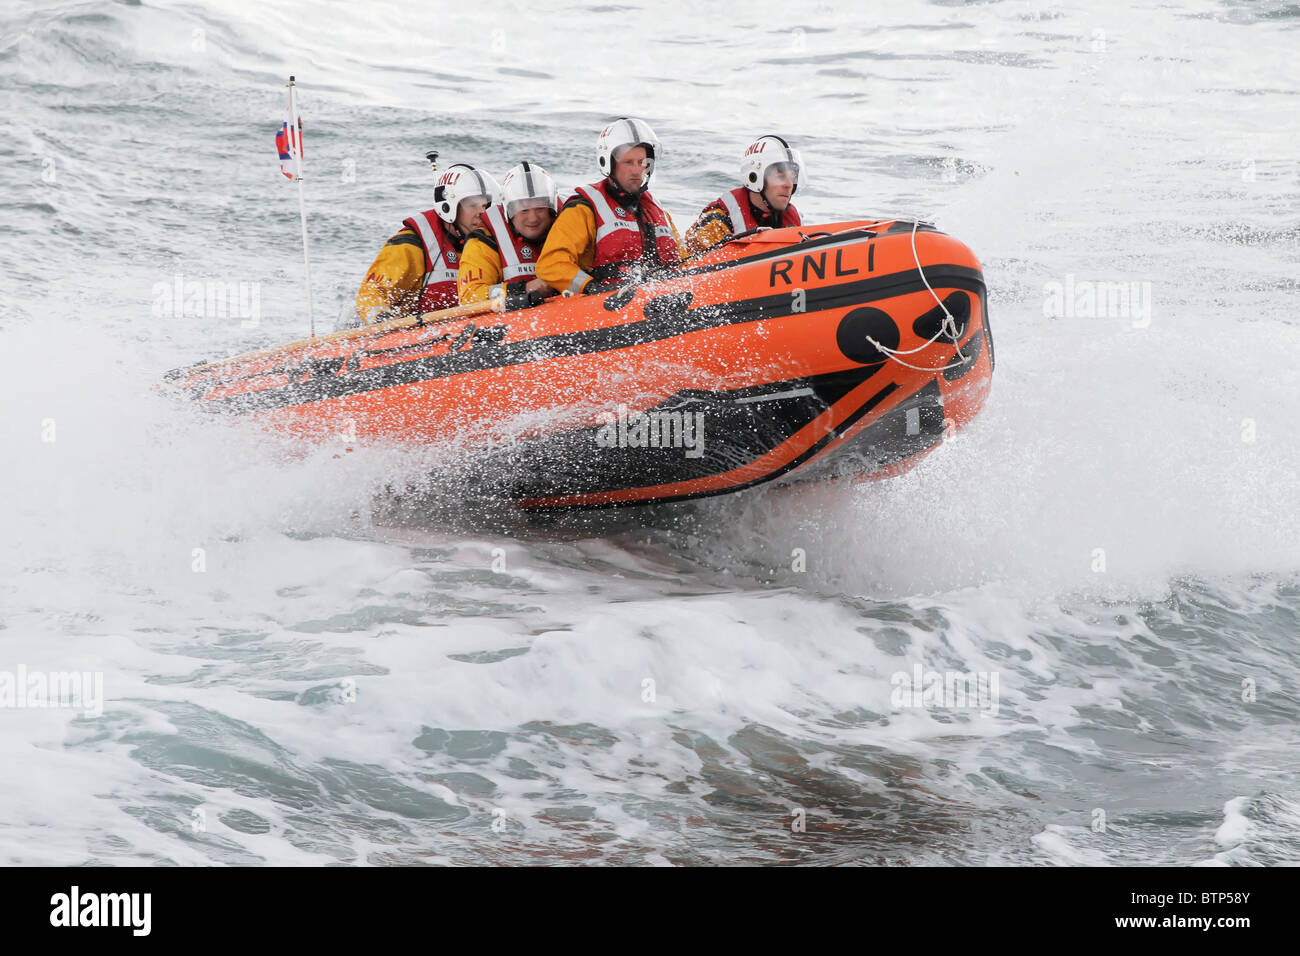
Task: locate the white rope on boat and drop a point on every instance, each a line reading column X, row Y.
column 949, row 325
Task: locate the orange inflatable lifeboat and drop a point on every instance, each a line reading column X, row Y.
column 803, row 353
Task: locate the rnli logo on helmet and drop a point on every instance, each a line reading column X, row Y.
column 756, row 148
column 448, row 179
column 525, row 252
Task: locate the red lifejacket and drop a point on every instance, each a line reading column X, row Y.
column 518, row 255
column 620, row 240
column 441, row 261
column 740, row 210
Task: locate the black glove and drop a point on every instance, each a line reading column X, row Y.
column 521, row 298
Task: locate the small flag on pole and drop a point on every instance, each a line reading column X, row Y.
column 288, row 141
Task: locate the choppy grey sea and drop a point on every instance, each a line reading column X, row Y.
column 1112, row 547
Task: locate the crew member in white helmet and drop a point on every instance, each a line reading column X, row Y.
column 769, row 175
column 500, row 259
column 416, row 270
column 613, row 227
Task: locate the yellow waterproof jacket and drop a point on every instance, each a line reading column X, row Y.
column 709, row 229
column 395, row 279
column 714, row 224
column 480, row 269
column 569, row 254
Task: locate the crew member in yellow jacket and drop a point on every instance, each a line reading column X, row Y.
column 769, row 173
column 612, row 230
column 499, row 261
column 416, row 269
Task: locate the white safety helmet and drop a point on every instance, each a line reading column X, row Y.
column 458, row 183
column 626, row 132
column 528, row 185
column 765, row 153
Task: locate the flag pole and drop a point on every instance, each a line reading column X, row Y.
column 302, row 204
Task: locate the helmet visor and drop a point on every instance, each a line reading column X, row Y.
column 533, row 202
column 784, row 173
column 621, row 151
